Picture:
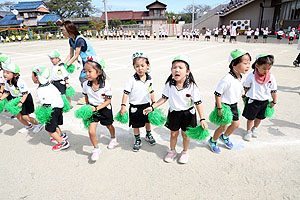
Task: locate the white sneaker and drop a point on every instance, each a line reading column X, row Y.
column 95, row 154
column 254, row 132
column 25, row 129
column 247, row 135
column 37, row 128
column 112, row 144
column 171, row 155
column 184, row 157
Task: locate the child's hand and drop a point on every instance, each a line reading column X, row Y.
column 147, row 110
column 20, row 104
column 204, row 125
column 220, row 112
column 67, row 85
column 123, row 110
column 272, row 104
column 94, row 108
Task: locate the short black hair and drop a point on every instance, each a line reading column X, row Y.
column 147, row 61
column 269, row 59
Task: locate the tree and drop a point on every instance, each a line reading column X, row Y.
column 114, row 22
column 7, row 5
column 74, row 8
column 97, row 25
column 199, row 9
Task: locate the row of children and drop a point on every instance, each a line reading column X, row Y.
column 180, row 89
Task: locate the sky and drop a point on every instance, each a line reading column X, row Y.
column 140, row 5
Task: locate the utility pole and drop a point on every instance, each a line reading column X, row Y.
column 193, row 15
column 106, row 20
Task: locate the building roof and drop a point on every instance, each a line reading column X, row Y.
column 156, row 4
column 28, row 5
column 10, row 20
column 125, row 15
column 3, row 13
column 49, row 17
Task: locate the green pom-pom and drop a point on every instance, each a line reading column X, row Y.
column 70, row 69
column 85, row 112
column 239, row 112
column 225, row 119
column 86, row 123
column 122, row 119
column 269, row 111
column 12, row 106
column 67, row 106
column 197, row 133
column 43, row 114
column 70, row 92
column 157, row 117
column 2, row 104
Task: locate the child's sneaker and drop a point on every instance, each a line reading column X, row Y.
column 171, row 155
column 295, row 63
column 63, row 136
column 37, row 128
column 184, row 157
column 248, row 135
column 213, row 146
column 226, row 141
column 25, row 129
column 13, row 116
column 61, row 146
column 137, row 145
column 254, row 132
column 95, row 154
column 112, row 144
column 149, row 138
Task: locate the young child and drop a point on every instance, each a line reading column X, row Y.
column 228, row 91
column 265, row 34
column 4, row 60
column 50, row 96
column 249, row 34
column 280, row 35
column 182, row 93
column 98, row 94
column 59, row 74
column 17, row 87
column 292, row 35
column 260, row 87
column 139, row 89
column 256, row 34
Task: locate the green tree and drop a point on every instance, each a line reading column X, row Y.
column 75, row 8
column 97, row 25
column 114, row 22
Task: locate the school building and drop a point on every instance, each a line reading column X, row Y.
column 274, row 14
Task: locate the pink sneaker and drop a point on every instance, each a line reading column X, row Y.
column 61, row 146
column 171, row 155
column 95, row 154
column 112, row 144
column 184, row 157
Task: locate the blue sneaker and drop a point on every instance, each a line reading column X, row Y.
column 213, row 146
column 226, row 141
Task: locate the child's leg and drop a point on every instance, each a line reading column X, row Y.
column 20, row 118
column 148, row 127
column 173, row 139
column 29, row 119
column 136, row 132
column 69, row 99
column 257, row 122
column 218, row 132
column 149, row 137
column 58, row 130
column 249, row 124
column 186, row 141
column 92, row 134
column 56, row 136
column 111, row 129
column 234, row 125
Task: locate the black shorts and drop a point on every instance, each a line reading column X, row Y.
column 177, row 37
column 224, row 36
column 183, row 36
column 255, row 37
column 234, row 110
column 104, row 116
column 197, row 36
column 248, row 37
column 207, row 37
column 133, row 36
column 56, row 120
column 61, row 87
column 216, row 35
column 27, row 106
column 291, row 38
column 279, row 37
column 136, row 117
column 181, row 119
column 255, row 109
column 233, row 37
column 265, row 36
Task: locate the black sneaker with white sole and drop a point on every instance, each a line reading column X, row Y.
column 137, row 145
column 149, row 138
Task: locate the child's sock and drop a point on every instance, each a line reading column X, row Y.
column 148, row 132
column 137, row 137
column 96, row 147
column 225, row 137
column 213, row 140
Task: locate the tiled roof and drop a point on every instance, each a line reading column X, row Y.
column 156, row 4
column 10, row 20
column 125, row 15
column 49, row 17
column 28, row 5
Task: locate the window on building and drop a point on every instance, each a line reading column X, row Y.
column 297, row 10
column 157, row 13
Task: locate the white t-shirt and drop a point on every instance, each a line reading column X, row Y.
column 265, row 32
column 97, row 97
column 48, row 94
column 233, row 31
column 2, row 79
column 230, row 89
column 59, row 72
column 139, row 91
column 182, row 99
column 258, row 91
column 224, row 32
column 256, row 33
column 292, row 34
column 249, row 33
column 280, row 33
column 18, row 91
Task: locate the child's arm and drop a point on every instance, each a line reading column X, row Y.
column 201, row 115
column 155, row 105
column 274, row 97
column 106, row 103
column 152, row 97
column 74, row 57
column 1, row 90
column 219, row 105
column 4, row 95
column 22, row 100
column 86, row 99
column 244, row 96
column 71, row 54
column 123, row 105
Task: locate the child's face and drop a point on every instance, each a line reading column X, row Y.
column 244, row 65
column 263, row 69
column 34, row 78
column 8, row 75
column 55, row 61
column 140, row 66
column 91, row 72
column 179, row 70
